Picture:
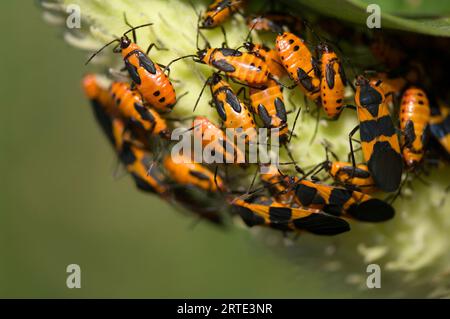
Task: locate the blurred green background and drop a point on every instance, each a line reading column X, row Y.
column 60, row 204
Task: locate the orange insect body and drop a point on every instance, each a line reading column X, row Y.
column 149, row 78
column 232, row 112
column 185, row 172
column 219, row 11
column 379, row 140
column 414, row 118
column 333, row 82
column 268, row 103
column 214, row 138
column 130, row 105
column 264, row 211
column 353, row 177
column 242, row 66
column 299, row 63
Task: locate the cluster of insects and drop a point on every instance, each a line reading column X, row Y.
column 395, row 119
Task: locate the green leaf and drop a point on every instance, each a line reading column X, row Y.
column 432, row 18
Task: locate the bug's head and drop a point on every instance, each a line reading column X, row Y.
column 361, row 81
column 201, row 55
column 124, row 42
column 207, row 22
column 323, row 48
column 249, row 46
column 215, row 78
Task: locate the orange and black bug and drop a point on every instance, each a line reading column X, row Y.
column 333, row 82
column 299, row 63
column 355, row 178
column 340, row 201
column 344, row 173
column 333, row 200
column 440, row 125
column 241, row 66
column 147, row 76
column 131, row 106
column 140, row 164
column 414, row 118
column 268, row 103
column 233, row 113
column 219, row 11
column 216, row 141
column 379, row 140
column 183, row 171
column 263, row 211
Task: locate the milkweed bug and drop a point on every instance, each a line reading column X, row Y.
column 147, row 76
column 333, row 81
column 268, row 103
column 379, row 140
column 333, row 200
column 183, row 171
column 299, row 63
column 342, row 202
column 131, row 106
column 219, row 11
column 440, row 125
column 267, row 212
column 233, row 113
column 355, row 178
column 414, row 119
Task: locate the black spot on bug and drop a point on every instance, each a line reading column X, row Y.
column 386, row 166
column 409, row 133
column 265, row 117
column 296, row 48
column 249, row 217
column 161, row 100
column 369, row 96
column 126, row 155
column 281, row 109
column 142, row 184
column 372, row 210
column 132, row 71
column 322, row 224
column 199, row 175
column 144, row 113
column 230, row 52
column 156, row 93
column 329, row 75
column 146, row 63
column 291, row 41
column 355, row 172
column 233, row 101
column 223, row 65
